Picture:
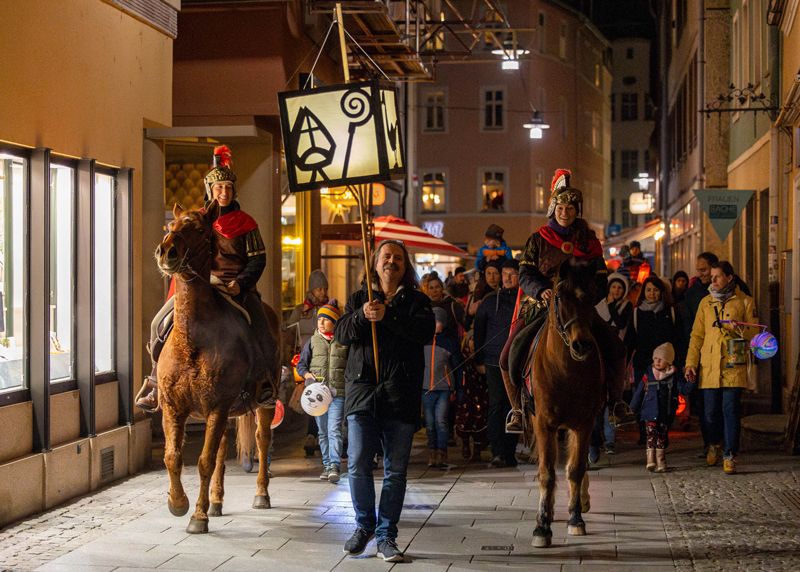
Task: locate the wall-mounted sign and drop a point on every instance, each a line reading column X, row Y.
column 641, row 203
column 723, row 207
column 341, row 135
column 434, row 228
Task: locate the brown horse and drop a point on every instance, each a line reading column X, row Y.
column 569, row 392
column 210, row 361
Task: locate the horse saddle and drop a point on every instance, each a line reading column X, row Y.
column 223, row 290
column 527, row 375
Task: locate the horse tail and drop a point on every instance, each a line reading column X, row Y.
column 245, row 435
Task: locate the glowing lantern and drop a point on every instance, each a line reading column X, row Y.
column 764, row 345
column 681, row 406
column 277, row 419
column 644, row 272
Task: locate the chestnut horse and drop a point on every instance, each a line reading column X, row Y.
column 210, row 361
column 569, row 391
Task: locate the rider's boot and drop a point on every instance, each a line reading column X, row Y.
column 268, row 395
column 148, row 401
column 514, row 423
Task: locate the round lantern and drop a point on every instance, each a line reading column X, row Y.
column 316, row 399
column 764, row 345
column 277, row 419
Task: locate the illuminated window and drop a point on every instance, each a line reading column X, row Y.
column 433, row 192
column 62, row 275
column 13, row 254
column 104, row 262
column 493, row 191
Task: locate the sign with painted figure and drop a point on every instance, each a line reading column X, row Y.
column 723, row 207
column 341, row 135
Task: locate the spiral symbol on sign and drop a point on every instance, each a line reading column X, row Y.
column 357, row 106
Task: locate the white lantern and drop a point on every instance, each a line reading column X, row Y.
column 316, row 399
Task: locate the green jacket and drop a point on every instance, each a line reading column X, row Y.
column 326, row 359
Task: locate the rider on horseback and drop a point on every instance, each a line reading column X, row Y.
column 566, row 236
column 239, row 261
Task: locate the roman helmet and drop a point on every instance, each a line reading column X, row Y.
column 221, row 171
column 561, row 193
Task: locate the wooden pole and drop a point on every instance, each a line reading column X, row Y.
column 359, row 192
column 342, row 43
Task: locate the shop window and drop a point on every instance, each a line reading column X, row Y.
column 434, row 189
column 630, row 107
column 435, row 111
column 493, row 191
column 493, row 109
column 62, row 271
column 292, row 254
column 104, row 263
column 13, row 279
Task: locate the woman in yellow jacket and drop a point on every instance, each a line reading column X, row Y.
column 721, row 382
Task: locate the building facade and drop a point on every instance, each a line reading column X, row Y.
column 472, row 160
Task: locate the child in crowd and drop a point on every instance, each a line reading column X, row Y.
column 324, row 358
column 439, row 382
column 494, row 247
column 656, row 400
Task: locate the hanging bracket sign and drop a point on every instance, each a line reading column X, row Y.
column 341, row 135
column 723, row 207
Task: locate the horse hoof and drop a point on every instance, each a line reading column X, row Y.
column 179, row 509
column 542, row 538
column 215, row 509
column 576, row 529
column 197, row 526
column 261, row 501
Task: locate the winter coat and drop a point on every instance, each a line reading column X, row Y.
column 326, row 359
column 405, row 329
column 657, row 400
column 442, row 364
column 694, row 293
column 708, row 346
column 492, row 325
column 651, row 329
column 618, row 314
column 503, row 251
column 304, row 318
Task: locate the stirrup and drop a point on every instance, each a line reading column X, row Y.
column 511, row 428
column 621, row 414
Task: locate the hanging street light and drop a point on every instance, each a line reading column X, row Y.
column 510, row 53
column 644, row 180
column 537, row 125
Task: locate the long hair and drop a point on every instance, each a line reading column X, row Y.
column 410, row 279
column 658, row 283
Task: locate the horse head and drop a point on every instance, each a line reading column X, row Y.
column 572, row 308
column 187, row 246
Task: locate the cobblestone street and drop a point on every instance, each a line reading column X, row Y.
column 468, row 518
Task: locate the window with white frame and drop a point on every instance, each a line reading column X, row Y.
column 493, row 108
column 434, row 192
column 104, row 262
column 629, row 110
column 493, row 191
column 13, row 279
column 539, row 197
column 62, row 267
column 435, row 111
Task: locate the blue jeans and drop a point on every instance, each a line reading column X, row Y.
column 436, row 404
column 330, row 433
column 365, row 436
column 723, row 411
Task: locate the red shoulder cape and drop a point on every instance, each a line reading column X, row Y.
column 594, row 249
column 235, row 223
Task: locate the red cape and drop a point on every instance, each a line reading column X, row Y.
column 594, row 250
column 235, row 223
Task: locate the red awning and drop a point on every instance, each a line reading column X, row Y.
column 414, row 238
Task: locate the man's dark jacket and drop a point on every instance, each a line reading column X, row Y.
column 406, row 328
column 492, row 325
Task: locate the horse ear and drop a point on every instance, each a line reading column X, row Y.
column 212, row 211
column 177, row 210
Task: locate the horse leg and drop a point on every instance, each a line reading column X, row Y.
column 576, row 475
column 263, row 441
column 218, row 478
column 174, row 426
column 546, row 445
column 215, row 429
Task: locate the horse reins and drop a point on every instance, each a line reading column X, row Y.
column 561, row 327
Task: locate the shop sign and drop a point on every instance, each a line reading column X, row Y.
column 434, row 228
column 641, row 203
column 723, row 207
column 341, row 135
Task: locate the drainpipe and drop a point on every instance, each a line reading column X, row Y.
column 701, row 95
column 664, row 158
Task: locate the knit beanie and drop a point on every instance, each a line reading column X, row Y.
column 666, row 352
column 317, row 279
column 330, row 311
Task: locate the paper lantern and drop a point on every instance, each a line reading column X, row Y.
column 341, row 135
column 764, row 345
column 277, row 419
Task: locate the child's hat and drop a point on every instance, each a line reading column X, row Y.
column 330, row 311
column 666, row 352
column 494, row 231
column 441, row 315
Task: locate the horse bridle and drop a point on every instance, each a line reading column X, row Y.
column 185, row 266
column 561, row 327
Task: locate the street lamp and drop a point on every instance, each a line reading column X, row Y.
column 510, row 53
column 537, row 125
column 644, row 180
